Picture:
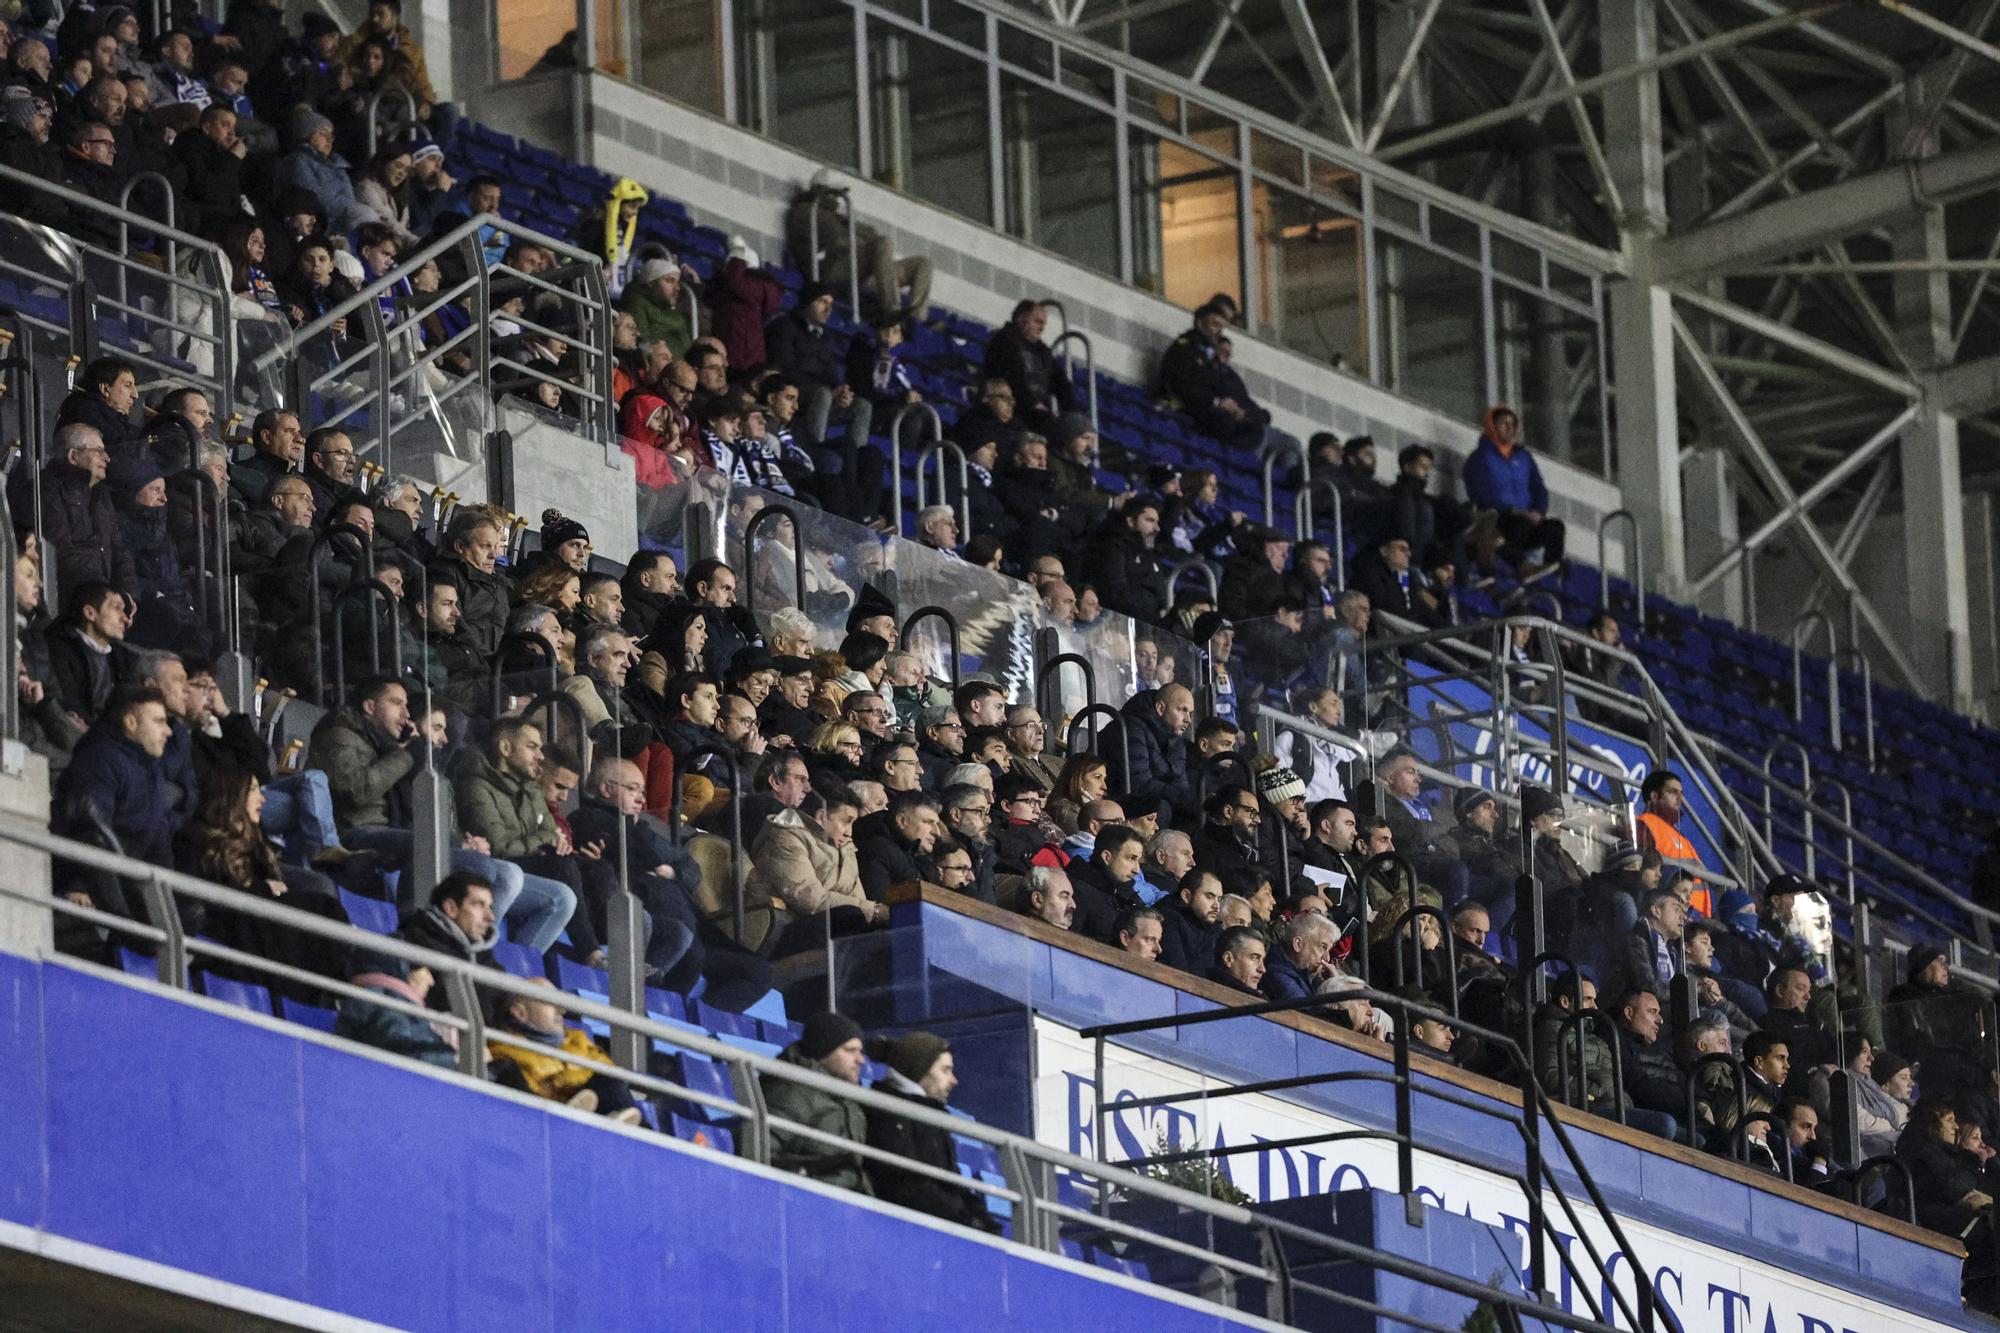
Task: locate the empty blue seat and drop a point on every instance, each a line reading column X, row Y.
column 722, row 1021
column 698, row 1073
column 519, row 960
column 575, row 977
column 369, row 913
column 239, row 993
column 138, row 964
column 309, row 1015
column 704, row 1134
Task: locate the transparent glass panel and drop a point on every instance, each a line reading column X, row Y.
column 1398, row 209
column 1432, row 339
column 1085, row 75
column 1058, row 155
column 930, row 121
column 1455, row 233
column 1549, row 365
column 1146, row 102
column 1517, row 261
column 1282, row 160
column 1336, row 184
column 961, row 23
column 1309, row 278
column 1184, row 222
column 679, row 53
column 797, row 75
column 1024, row 51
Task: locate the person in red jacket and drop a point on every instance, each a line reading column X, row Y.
column 742, row 299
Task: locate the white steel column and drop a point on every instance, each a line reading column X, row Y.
column 1641, row 312
column 1933, row 492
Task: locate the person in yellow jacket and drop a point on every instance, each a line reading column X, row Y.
column 539, row 1054
column 612, row 234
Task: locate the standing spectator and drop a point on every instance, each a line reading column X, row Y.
column 742, row 299
column 830, row 1044
column 1660, row 829
column 1017, row 354
column 1503, row 476
column 611, row 232
column 921, row 1070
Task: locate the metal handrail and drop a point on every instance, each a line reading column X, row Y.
column 1059, row 348
column 923, row 613
column 1408, row 922
column 770, row 513
column 1535, row 1105
column 930, row 415
column 943, row 450
column 315, row 597
column 539, row 646
column 1853, row 1177
column 1867, row 674
column 367, row 593
column 1201, row 567
column 1094, row 735
column 1635, row 563
column 10, row 631
column 1337, row 548
column 1302, row 504
column 1805, row 622
column 1574, row 1025
column 166, row 190
column 375, row 111
column 1846, row 823
column 1805, row 779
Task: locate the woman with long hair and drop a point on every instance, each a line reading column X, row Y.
column 255, row 295
column 385, row 187
column 1084, row 778
column 554, row 585
column 225, row 844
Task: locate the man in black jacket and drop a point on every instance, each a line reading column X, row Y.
column 920, row 1071
column 1227, row 842
column 275, row 436
column 1385, row 575
column 79, row 529
column 1193, row 377
column 90, row 166
column 797, row 341
column 1192, row 916
column 1131, row 577
column 1103, row 883
column 1156, row 725
column 652, row 583
column 86, row 657
column 213, row 159
column 900, row 849
column 1018, row 355
column 1652, row 1079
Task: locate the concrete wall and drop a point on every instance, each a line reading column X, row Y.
column 25, row 927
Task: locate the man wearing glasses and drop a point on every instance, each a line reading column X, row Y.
column 954, row 869
column 1227, row 842
column 79, row 524
column 941, row 743
column 91, row 167
column 1027, row 739
column 869, row 712
column 968, row 816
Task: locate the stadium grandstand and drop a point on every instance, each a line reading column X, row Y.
column 835, row 664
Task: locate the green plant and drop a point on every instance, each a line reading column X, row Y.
column 1197, row 1175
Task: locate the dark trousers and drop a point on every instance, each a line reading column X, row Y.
column 1523, row 536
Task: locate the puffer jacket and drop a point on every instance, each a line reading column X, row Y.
column 483, row 603
column 817, row 1110
column 543, row 1071
column 795, row 863
column 1159, row 760
column 1549, row 1060
column 506, row 810
column 361, row 768
column 329, row 181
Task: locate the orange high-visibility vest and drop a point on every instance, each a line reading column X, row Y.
column 1670, row 843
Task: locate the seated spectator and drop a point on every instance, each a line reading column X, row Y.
column 937, row 528
column 1193, row 379
column 1789, row 1017
column 1134, row 580
column 1140, row 931
column 1798, row 1123
column 1432, row 1035
column 313, row 166
column 1501, row 475
column 1384, row 573
column 1590, row 1083
column 1303, row 957
column 898, row 286
column 875, row 368
column 1947, row 1180
column 663, row 875
column 1049, row 897
column 85, row 650
column 1192, row 916
column 921, row 1070
column 397, row 1031
column 212, row 157
column 1652, row 1080
column 103, row 399
column 1157, row 723
column 1239, row 962
column 1084, row 778
column 114, row 794
column 1647, row 957
column 91, row 166
column 1103, row 882
column 899, row 851
column 79, row 522
column 1937, row 1023
column 164, row 615
column 1884, row 1083
column 652, row 298
column 470, row 561
column 532, row 1049
column 830, row 1044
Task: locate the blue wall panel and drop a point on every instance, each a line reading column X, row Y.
column 209, row 1143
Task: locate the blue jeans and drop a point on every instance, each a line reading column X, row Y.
column 535, row 909
column 1653, row 1122
column 298, row 808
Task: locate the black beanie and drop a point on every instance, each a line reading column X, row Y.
column 913, row 1055
column 827, row 1033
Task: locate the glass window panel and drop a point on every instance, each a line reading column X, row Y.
column 1309, row 278
column 1211, row 129
column 1522, row 262
column 1275, row 158
column 1059, row 155
column 1025, row 51
column 1454, row 233
column 1336, row 184
column 1431, row 336
column 961, row 23
column 1399, row 209
column 679, row 53
column 1085, row 75
column 1184, row 222
column 798, row 75
column 929, row 120
column 1548, row 359
column 1146, row 102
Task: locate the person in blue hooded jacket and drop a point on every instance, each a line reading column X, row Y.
column 1503, row 476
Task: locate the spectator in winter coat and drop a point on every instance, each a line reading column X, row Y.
column 1192, row 916
column 79, row 522
column 534, row 1051
column 880, row 270
column 653, row 299
column 213, row 159
column 1132, row 577
column 313, row 165
column 115, row 784
column 26, row 120
column 1192, row 377
column 1503, row 476
column 876, row 371
column 1653, row 1081
column 1303, row 957
column 1017, row 354
column 830, row 1044
column 920, row 1070
column 742, row 299
column 394, row 1030
column 85, row 649
column 165, row 615
column 799, row 343
column 1157, row 723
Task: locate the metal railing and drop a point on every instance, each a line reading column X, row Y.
column 1635, row 558
column 853, row 257
column 1302, row 528
column 191, row 308
column 1798, row 635
column 1037, row 1179
column 1060, row 347
column 935, row 428
column 403, row 387
column 943, row 451
column 1536, row 1180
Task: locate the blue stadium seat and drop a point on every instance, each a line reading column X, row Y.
column 519, row 960
column 704, row 1134
column 138, row 965
column 369, row 913
column 309, row 1015
column 722, row 1022
column 239, row 993
column 701, row 1074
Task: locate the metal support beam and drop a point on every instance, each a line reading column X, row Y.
column 1579, row 113
column 1966, row 389
column 1750, row 449
column 1807, row 221
column 1783, row 334
column 1306, row 37
column 1404, row 69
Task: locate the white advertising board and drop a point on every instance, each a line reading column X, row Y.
column 1702, row 1288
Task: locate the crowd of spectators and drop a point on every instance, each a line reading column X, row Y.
column 1295, row 875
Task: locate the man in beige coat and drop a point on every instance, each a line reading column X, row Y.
column 805, row 858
